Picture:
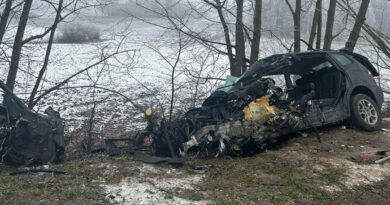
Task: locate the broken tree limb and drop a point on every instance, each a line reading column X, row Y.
column 74, row 75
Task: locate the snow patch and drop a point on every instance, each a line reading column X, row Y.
column 154, row 186
column 359, row 174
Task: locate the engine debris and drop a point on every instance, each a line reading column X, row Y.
column 27, row 137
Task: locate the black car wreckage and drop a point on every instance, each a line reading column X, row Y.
column 29, row 138
column 241, row 118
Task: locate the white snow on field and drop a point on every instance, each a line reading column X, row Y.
column 150, row 188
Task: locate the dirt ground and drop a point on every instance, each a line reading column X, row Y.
column 301, row 170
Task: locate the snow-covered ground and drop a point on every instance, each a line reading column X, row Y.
column 151, row 188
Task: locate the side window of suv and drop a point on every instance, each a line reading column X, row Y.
column 341, row 59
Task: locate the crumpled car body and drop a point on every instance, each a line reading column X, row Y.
column 29, row 138
column 247, row 113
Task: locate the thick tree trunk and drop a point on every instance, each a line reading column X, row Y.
column 240, row 67
column 319, row 27
column 315, row 23
column 379, row 39
column 4, row 19
column 47, row 56
column 256, row 32
column 329, row 25
column 17, row 47
column 361, row 17
column 297, row 26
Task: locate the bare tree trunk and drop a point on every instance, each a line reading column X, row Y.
column 174, row 66
column 90, row 125
column 315, row 22
column 297, row 26
column 297, row 23
column 256, row 32
column 240, row 67
column 4, row 19
column 227, row 35
column 219, row 7
column 17, row 47
column 47, row 56
column 319, row 27
column 361, row 17
column 380, row 40
column 329, row 25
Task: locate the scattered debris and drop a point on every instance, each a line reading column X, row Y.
column 196, row 167
column 382, row 160
column 381, row 152
column 385, row 130
column 29, row 138
column 154, row 160
column 38, row 171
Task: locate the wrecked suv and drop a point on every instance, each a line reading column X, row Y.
column 278, row 95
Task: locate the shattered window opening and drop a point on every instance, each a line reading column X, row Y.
column 343, row 60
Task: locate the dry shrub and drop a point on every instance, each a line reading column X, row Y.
column 77, row 32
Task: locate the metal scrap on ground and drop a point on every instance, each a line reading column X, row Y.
column 27, row 137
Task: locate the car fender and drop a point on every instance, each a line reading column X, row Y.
column 364, row 88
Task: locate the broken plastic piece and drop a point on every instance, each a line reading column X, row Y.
column 154, row 160
column 382, row 160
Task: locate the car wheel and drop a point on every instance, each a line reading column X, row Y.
column 365, row 113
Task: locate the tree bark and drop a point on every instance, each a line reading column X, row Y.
column 4, row 19
column 219, row 7
column 17, row 47
column 315, row 23
column 297, row 26
column 227, row 36
column 297, row 23
column 379, row 39
column 319, row 27
column 256, row 32
column 47, row 56
column 329, row 25
column 361, row 17
column 240, row 67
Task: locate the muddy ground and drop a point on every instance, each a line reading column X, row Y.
column 297, row 171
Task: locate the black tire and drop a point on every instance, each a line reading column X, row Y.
column 360, row 118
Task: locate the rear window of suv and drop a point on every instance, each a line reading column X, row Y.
column 343, row 60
